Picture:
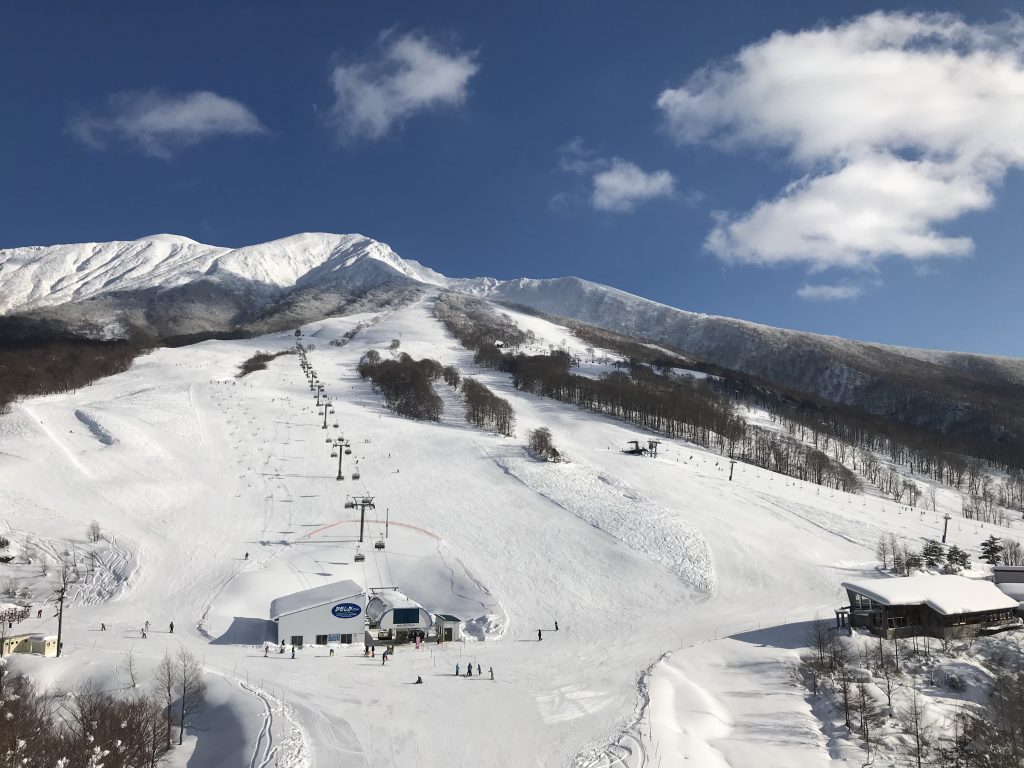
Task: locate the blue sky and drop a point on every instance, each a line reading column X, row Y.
column 856, row 173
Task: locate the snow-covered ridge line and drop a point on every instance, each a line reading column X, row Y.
column 44, row 276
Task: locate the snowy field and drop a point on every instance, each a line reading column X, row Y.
column 648, row 565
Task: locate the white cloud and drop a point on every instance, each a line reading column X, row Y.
column 161, row 124
column 828, row 292
column 624, row 184
column 411, row 74
column 898, row 123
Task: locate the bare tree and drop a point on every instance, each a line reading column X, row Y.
column 918, row 726
column 163, row 681
column 95, row 532
column 191, row 689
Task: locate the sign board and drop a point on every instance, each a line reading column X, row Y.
column 346, row 610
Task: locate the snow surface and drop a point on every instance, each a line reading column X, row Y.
column 947, row 594
column 648, row 565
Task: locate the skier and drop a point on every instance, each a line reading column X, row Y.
column 172, row 627
column 281, row 652
column 491, row 670
column 103, row 627
column 143, row 633
column 469, row 670
column 39, row 613
column 478, row 671
column 331, row 652
column 246, row 555
column 456, row 669
column 540, row 635
column 556, row 626
column 419, row 680
column 266, row 651
column 147, row 626
column 293, row 652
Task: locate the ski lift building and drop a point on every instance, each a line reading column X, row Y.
column 449, row 628
column 397, row 617
column 332, row 613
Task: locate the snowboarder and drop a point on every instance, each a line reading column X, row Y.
column 491, row 670
column 172, row 627
column 419, row 680
column 456, row 670
column 540, row 635
column 293, row 652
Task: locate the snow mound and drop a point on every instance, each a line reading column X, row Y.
column 609, row 504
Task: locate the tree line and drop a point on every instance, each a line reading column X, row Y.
column 679, row 407
column 406, row 385
column 486, row 410
column 854, row 437
column 90, row 727
column 258, row 362
column 49, row 365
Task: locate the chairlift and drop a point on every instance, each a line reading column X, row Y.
column 355, row 475
column 379, row 544
column 334, row 454
column 349, row 504
column 328, row 440
column 348, row 451
column 360, row 557
column 335, row 425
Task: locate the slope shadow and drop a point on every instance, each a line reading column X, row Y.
column 247, row 631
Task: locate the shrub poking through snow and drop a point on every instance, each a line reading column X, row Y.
column 258, row 362
column 540, row 442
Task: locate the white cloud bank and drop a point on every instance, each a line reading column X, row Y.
column 899, row 123
column 161, row 124
column 411, row 74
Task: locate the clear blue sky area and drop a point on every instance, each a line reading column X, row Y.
column 519, row 139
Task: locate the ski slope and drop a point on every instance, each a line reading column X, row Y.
column 648, row 565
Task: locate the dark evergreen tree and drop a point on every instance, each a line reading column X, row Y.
column 932, row 553
column 991, row 550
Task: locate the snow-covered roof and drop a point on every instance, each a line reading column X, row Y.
column 946, row 594
column 311, row 598
column 448, row 617
column 389, row 600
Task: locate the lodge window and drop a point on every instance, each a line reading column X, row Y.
column 346, row 639
column 297, row 640
column 897, row 621
column 321, row 639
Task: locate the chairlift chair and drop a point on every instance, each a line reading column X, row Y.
column 355, row 475
column 360, row 557
column 379, row 544
column 335, row 425
column 348, row 451
column 334, row 454
column 349, row 504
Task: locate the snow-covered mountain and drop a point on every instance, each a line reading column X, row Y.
column 171, row 286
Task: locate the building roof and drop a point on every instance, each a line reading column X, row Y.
column 311, row 598
column 448, row 617
column 389, row 600
column 945, row 594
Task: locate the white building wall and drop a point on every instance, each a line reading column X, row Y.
column 321, row 620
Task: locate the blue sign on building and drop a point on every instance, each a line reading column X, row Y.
column 346, row 610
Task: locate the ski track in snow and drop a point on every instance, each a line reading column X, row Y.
column 609, row 504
